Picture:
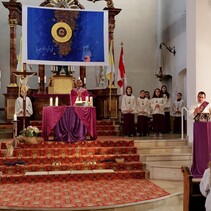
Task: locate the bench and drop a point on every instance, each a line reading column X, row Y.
column 192, row 198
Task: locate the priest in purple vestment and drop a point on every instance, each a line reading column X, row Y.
column 79, row 93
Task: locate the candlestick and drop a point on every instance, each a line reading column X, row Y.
column 51, row 101
column 56, row 101
column 15, row 117
column 38, row 79
column 91, row 101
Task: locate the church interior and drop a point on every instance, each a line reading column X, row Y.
column 74, row 154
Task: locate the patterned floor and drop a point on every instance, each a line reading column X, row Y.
column 77, row 194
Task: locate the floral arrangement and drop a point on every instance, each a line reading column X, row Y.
column 30, row 131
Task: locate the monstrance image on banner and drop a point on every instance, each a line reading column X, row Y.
column 58, row 36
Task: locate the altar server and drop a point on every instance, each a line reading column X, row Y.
column 177, row 112
column 167, row 101
column 19, row 105
column 157, row 105
column 128, row 109
column 143, row 111
column 205, row 185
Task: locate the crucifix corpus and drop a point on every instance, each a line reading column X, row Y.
column 23, row 87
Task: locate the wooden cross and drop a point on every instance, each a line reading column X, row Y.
column 24, row 74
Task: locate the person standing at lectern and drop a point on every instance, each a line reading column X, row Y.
column 20, row 112
column 201, row 109
column 79, row 93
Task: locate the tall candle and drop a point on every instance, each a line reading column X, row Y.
column 56, row 101
column 45, row 79
column 84, row 80
column 51, row 101
column 86, row 98
column 15, row 117
column 91, row 101
column 38, row 79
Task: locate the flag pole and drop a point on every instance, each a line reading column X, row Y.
column 110, row 81
column 123, row 80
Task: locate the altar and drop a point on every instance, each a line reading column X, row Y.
column 70, row 123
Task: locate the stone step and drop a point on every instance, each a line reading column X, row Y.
column 160, row 142
column 166, row 170
column 164, row 150
column 165, row 157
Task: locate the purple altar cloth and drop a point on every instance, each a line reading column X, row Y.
column 70, row 123
column 201, row 148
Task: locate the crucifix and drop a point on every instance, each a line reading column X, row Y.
column 24, row 87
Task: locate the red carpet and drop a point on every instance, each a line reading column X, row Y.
column 123, row 183
column 78, row 194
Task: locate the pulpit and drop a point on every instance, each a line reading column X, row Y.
column 201, row 148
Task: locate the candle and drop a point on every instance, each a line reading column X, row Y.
column 86, row 98
column 91, row 101
column 84, row 80
column 38, row 79
column 15, row 117
column 56, row 101
column 45, row 79
column 51, row 101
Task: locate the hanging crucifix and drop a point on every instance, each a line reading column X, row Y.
column 23, row 87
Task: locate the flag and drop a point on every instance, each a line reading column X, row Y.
column 20, row 63
column 110, row 69
column 121, row 80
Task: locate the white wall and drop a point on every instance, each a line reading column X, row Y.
column 135, row 26
column 141, row 26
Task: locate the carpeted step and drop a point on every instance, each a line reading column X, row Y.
column 107, row 142
column 69, row 151
column 57, row 166
column 49, row 159
column 73, row 160
column 18, row 178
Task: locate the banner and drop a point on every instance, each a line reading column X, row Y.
column 60, row 36
column 121, row 80
column 110, row 69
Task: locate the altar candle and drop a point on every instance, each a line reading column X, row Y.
column 51, row 101
column 56, row 101
column 38, row 79
column 45, row 79
column 91, row 101
column 87, row 99
column 84, row 80
column 15, row 117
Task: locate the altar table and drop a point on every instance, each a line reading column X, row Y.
column 201, row 148
column 70, row 123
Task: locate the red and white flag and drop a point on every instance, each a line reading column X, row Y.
column 121, row 79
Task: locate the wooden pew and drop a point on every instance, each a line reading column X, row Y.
column 192, row 198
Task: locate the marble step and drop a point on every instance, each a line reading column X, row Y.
column 165, row 157
column 164, row 150
column 160, row 143
column 166, row 170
